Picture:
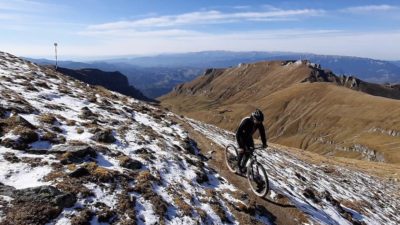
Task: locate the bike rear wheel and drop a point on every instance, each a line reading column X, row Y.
column 258, row 179
column 231, row 157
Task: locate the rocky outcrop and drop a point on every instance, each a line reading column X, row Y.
column 130, row 163
column 73, row 154
column 104, row 136
column 387, row 90
column 114, row 81
column 37, row 205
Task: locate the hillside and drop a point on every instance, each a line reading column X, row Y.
column 305, row 107
column 73, row 153
column 114, row 81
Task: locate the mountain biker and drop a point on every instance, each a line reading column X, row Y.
column 244, row 137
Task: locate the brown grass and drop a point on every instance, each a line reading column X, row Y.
column 83, row 218
column 30, row 213
column 99, row 173
column 126, row 205
column 27, row 135
column 11, row 157
column 183, row 206
column 42, row 85
column 47, row 118
column 301, row 115
column 79, row 130
column 203, row 214
column 70, row 122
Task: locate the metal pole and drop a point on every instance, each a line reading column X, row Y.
column 55, row 49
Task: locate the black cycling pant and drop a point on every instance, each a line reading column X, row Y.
column 246, row 147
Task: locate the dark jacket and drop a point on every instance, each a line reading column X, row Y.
column 244, row 134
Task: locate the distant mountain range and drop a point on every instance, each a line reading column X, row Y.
column 157, row 75
column 151, row 81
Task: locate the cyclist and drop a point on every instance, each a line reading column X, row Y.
column 244, row 137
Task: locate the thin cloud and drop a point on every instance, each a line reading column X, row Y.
column 369, row 8
column 7, row 16
column 206, row 17
column 25, row 6
column 123, row 34
column 242, row 7
column 338, row 42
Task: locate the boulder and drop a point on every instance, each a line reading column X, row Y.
column 6, row 190
column 14, row 144
column 86, row 113
column 104, row 136
column 19, row 120
column 129, row 163
column 190, row 146
column 38, row 205
column 73, row 153
column 26, row 135
column 80, row 172
column 312, row 194
column 45, row 194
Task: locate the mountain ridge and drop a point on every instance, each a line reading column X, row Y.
column 172, row 69
column 334, row 117
column 114, row 81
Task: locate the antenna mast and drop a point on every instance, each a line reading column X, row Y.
column 55, row 50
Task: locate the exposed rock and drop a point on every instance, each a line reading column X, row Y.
column 37, row 205
column 129, row 163
column 190, row 146
column 114, row 81
column 13, row 122
column 14, row 144
column 73, row 153
column 80, row 172
column 53, row 138
column 201, row 176
column 11, row 157
column 105, row 215
column 26, row 135
column 83, row 218
column 104, row 136
column 87, row 114
column 56, row 129
column 311, row 194
column 47, row 194
column 6, row 190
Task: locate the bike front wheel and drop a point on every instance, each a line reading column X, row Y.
column 257, row 178
column 231, row 157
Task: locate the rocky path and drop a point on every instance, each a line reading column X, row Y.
column 326, row 193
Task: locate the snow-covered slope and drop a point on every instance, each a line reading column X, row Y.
column 329, row 194
column 71, row 153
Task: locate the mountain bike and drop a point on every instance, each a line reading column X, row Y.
column 256, row 175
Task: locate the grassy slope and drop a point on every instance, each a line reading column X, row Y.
column 320, row 117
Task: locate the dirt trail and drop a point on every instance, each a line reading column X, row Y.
column 326, row 193
column 281, row 211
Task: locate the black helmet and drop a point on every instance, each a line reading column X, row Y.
column 258, row 115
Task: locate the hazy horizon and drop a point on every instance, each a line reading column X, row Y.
column 111, row 57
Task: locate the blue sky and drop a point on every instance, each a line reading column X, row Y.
column 94, row 28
